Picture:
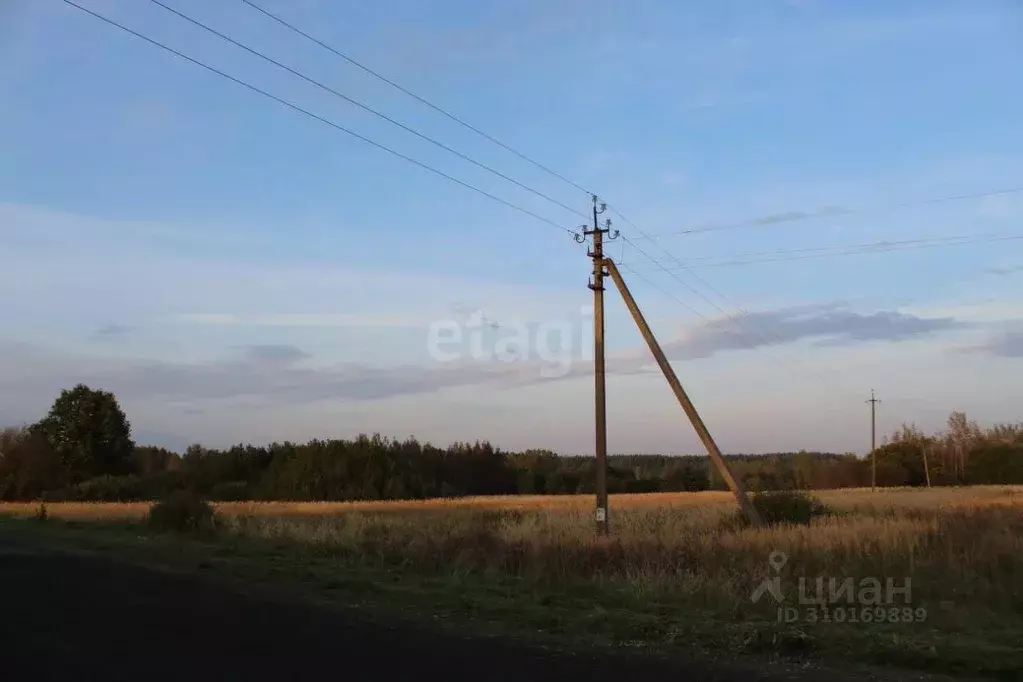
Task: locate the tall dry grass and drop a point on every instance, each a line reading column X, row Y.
column 959, row 546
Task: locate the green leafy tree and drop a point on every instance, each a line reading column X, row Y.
column 28, row 466
column 89, row 434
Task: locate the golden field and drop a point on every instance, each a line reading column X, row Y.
column 951, row 540
column 677, row 570
column 846, row 499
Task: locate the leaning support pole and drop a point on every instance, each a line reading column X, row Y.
column 687, row 405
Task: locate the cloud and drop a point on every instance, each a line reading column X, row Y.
column 1006, row 344
column 275, row 374
column 1003, row 271
column 278, row 382
column 112, row 331
column 276, row 354
column 975, row 311
column 335, row 320
column 828, row 324
column 264, row 373
column 783, row 217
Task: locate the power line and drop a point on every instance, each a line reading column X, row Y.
column 776, row 341
column 669, row 271
column 665, row 292
column 678, row 279
column 854, row 250
column 364, row 107
column 696, row 291
column 328, row 122
column 839, row 247
column 772, row 340
column 731, row 318
column 796, row 216
column 398, row 87
column 758, row 221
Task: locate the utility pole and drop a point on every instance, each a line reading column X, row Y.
column 605, row 266
column 873, row 435
column 927, row 470
column 600, row 405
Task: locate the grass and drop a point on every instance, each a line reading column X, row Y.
column 676, row 574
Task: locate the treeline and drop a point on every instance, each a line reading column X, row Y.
column 82, row 450
column 963, row 454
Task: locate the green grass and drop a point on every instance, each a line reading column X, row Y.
column 672, row 581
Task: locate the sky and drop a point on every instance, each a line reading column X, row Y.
column 236, row 271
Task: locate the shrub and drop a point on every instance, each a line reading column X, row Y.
column 129, row 488
column 787, row 506
column 181, row 512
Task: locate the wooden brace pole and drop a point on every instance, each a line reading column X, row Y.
column 687, row 405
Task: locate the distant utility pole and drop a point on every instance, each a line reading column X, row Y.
column 873, row 437
column 597, row 285
column 927, row 469
column 605, row 266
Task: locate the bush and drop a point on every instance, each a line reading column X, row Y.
column 119, row 488
column 181, row 512
column 787, row 506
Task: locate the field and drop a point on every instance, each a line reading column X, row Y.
column 677, row 572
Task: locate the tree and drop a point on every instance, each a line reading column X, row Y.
column 997, row 462
column 89, row 434
column 963, row 436
column 150, row 459
column 28, row 466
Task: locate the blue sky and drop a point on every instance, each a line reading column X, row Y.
column 235, row 271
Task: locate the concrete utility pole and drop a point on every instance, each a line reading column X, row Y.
column 927, row 469
column 687, row 405
column 605, row 266
column 600, row 405
column 873, row 436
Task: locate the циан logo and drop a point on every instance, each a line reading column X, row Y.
column 777, row 561
column 841, row 599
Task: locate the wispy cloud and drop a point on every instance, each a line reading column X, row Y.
column 279, row 373
column 303, row 320
column 827, row 324
column 1004, row 271
column 1005, row 343
column 275, row 354
column 112, row 331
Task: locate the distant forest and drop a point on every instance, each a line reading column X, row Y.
column 83, row 450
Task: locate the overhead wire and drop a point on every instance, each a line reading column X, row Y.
column 451, row 116
column 849, row 250
column 631, row 241
column 767, row 220
column 480, row 132
column 796, row 216
column 419, row 98
column 321, row 119
column 641, row 276
column 767, row 340
column 365, row 107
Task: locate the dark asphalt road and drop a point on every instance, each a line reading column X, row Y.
column 79, row 618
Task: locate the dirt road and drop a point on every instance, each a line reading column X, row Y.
column 67, row 617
